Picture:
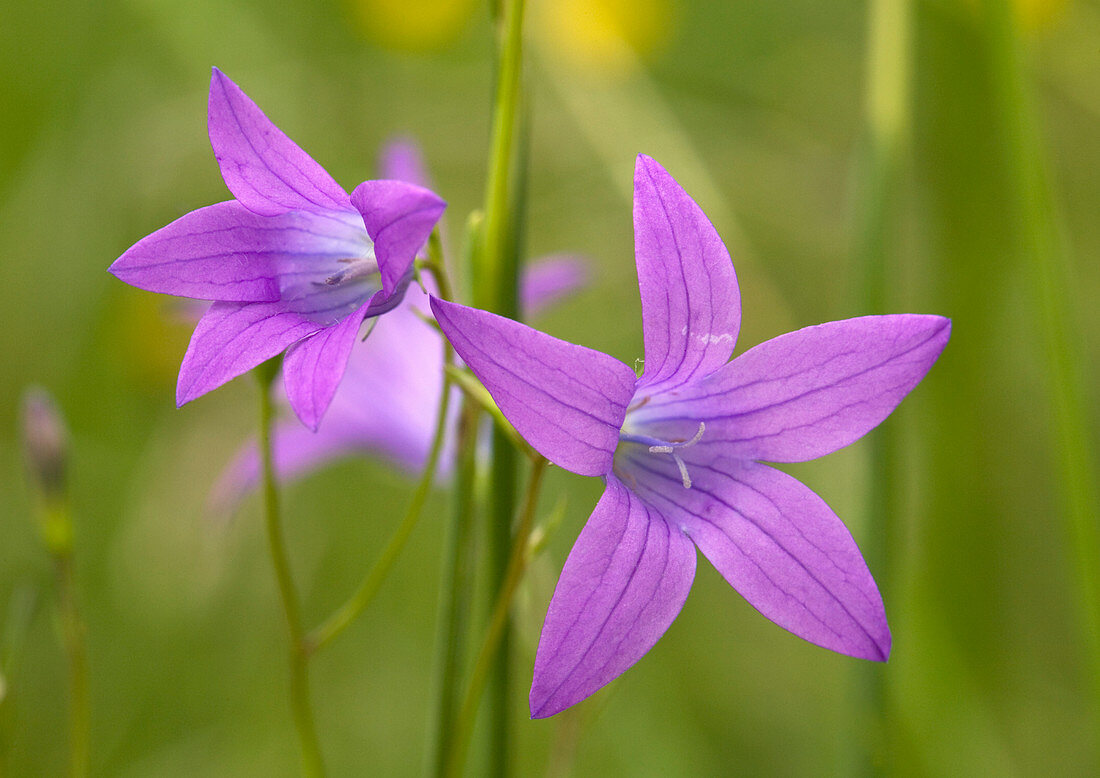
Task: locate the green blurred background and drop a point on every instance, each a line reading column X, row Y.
column 759, row 110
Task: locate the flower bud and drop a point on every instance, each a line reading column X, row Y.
column 45, row 442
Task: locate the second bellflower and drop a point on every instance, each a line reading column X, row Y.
column 293, row 264
column 681, row 450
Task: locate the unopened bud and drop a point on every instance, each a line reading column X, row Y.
column 45, row 442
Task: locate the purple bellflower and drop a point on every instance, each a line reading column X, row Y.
column 292, row 264
column 681, row 450
column 386, row 403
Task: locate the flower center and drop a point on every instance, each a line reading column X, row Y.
column 671, row 447
column 354, row 268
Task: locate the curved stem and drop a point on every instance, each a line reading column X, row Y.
column 357, row 603
column 312, row 764
column 517, row 563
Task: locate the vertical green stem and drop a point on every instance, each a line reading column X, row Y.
column 498, row 621
column 312, row 764
column 490, row 272
column 72, row 632
column 1043, row 248
column 495, row 275
column 877, row 241
column 456, row 586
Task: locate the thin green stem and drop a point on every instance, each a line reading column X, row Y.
column 312, row 764
column 499, row 551
column 496, row 269
column 456, row 590
column 877, row 242
column 498, row 622
column 72, row 632
column 1042, row 244
column 358, row 602
column 491, row 290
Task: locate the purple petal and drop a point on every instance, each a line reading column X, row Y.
column 777, row 543
column 691, row 308
column 262, row 167
column 399, row 218
column 624, row 582
column 567, row 401
column 296, row 451
column 312, row 368
column 547, row 280
column 227, row 252
column 231, row 339
column 807, row 393
column 402, row 160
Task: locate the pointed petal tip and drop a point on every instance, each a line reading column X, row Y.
column 184, row 394
column 651, row 167
column 218, row 80
column 540, row 709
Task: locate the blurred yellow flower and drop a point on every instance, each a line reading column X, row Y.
column 411, row 25
column 1035, row 15
column 603, row 35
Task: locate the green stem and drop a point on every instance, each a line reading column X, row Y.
column 498, row 622
column 1042, row 245
column 495, row 278
column 499, row 546
column 72, row 631
column 358, row 602
column 491, row 275
column 888, row 119
column 456, row 588
column 312, row 764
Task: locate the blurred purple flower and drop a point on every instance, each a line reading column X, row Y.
column 386, row 403
column 680, row 450
column 292, row 264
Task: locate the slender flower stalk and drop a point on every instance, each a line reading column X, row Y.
column 312, row 764
column 358, row 602
column 456, row 590
column 45, row 441
column 881, row 171
column 1043, row 248
column 489, row 268
column 72, row 629
column 495, row 280
column 495, row 632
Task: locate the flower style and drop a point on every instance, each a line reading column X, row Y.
column 292, row 264
column 387, row 400
column 681, row 449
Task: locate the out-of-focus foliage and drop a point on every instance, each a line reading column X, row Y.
column 757, row 109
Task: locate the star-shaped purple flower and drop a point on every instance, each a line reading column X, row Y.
column 292, row 264
column 681, row 450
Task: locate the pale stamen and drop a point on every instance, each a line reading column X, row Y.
column 657, row 446
column 358, row 268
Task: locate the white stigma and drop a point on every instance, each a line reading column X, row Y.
column 670, row 448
